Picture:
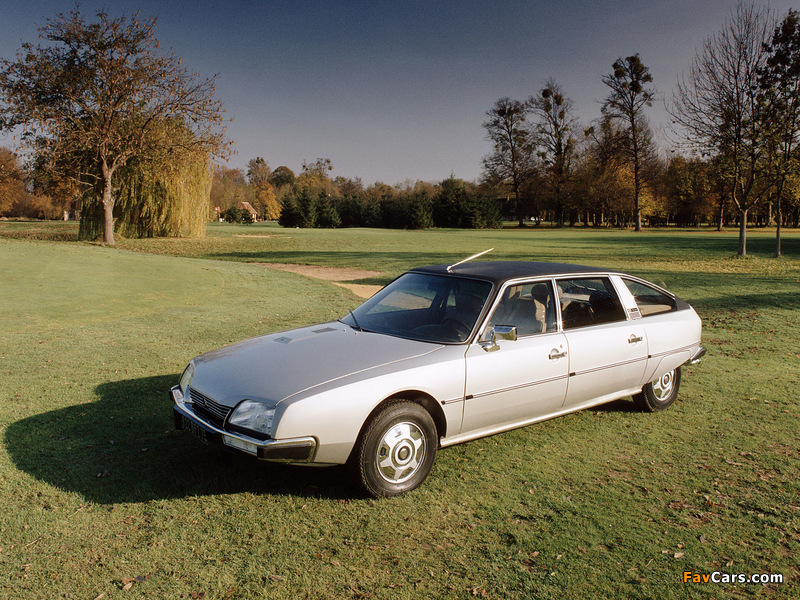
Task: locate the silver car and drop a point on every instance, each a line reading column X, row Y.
column 442, row 355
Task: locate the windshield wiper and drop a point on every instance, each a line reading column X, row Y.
column 355, row 325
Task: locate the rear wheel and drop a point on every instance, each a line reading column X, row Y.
column 396, row 451
column 661, row 393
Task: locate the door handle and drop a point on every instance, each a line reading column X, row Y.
column 635, row 339
column 555, row 354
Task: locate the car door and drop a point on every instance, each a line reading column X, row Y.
column 509, row 382
column 608, row 353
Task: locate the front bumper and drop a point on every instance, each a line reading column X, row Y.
column 294, row 450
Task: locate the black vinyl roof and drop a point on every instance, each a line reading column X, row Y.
column 499, row 271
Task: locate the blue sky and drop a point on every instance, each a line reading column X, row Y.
column 396, row 91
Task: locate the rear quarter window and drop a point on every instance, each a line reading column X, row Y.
column 650, row 300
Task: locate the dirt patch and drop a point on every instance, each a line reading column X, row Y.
column 336, row 275
column 326, row 273
column 361, row 290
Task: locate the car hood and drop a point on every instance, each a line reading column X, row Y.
column 275, row 367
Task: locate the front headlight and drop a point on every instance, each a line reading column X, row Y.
column 186, row 378
column 253, row 416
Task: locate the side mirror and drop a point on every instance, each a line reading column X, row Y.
column 500, row 332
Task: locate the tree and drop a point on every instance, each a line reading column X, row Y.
column 94, row 97
column 327, row 213
column 258, row 171
column 12, row 189
column 153, row 197
column 349, row 187
column 265, row 201
column 10, row 180
column 553, row 136
column 319, row 168
column 419, row 209
column 626, row 102
column 779, row 82
column 283, row 181
column 718, row 108
column 602, row 169
column 448, row 205
column 689, row 189
column 315, row 177
column 291, row 215
column 16, row 197
column 510, row 162
column 282, row 176
column 229, row 188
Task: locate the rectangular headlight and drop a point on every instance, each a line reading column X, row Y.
column 253, row 416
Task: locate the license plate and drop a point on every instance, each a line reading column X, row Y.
column 194, row 429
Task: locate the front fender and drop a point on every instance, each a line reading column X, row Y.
column 335, row 415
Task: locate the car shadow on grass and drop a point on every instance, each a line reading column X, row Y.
column 623, row 405
column 124, row 448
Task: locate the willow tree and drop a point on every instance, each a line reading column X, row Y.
column 95, row 96
column 164, row 198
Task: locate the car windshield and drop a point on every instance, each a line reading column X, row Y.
column 430, row 308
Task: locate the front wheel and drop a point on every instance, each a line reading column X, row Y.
column 661, row 393
column 396, row 451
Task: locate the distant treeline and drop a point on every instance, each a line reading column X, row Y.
column 738, row 161
column 681, row 192
column 453, row 203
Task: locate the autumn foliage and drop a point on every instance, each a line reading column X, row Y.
column 97, row 98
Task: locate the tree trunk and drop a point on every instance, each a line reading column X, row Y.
column 518, row 205
column 637, row 176
column 778, row 215
column 108, row 206
column 743, row 233
column 636, row 206
column 778, row 223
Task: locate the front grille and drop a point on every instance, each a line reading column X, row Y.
column 204, row 406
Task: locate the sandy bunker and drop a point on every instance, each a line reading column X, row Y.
column 336, row 275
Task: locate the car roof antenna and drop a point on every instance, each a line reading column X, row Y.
column 461, row 262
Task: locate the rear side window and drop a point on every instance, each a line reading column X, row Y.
column 588, row 301
column 650, row 300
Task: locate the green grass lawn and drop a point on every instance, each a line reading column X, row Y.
column 101, row 498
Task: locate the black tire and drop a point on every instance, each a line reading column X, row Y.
column 661, row 393
column 396, row 450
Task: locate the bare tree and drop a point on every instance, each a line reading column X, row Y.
column 510, row 161
column 553, row 135
column 718, row 109
column 626, row 102
column 98, row 93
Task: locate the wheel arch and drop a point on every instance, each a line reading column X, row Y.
column 424, row 399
